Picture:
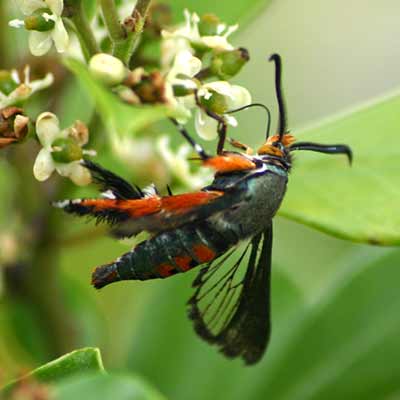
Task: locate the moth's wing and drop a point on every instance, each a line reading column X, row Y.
column 112, row 185
column 152, row 214
column 233, row 311
column 182, row 209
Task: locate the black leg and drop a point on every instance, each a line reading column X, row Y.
column 222, row 137
column 199, row 150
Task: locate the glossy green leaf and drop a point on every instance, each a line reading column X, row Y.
column 232, row 12
column 76, row 362
column 106, row 387
column 119, row 118
column 345, row 346
column 360, row 202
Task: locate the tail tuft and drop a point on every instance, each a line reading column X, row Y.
column 104, row 275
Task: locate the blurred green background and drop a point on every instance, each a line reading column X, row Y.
column 336, row 320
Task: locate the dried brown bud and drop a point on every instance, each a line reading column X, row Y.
column 148, row 87
column 79, row 132
column 13, row 126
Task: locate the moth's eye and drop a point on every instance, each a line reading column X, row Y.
column 277, row 144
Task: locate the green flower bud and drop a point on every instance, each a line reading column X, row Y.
column 187, row 85
column 7, row 84
column 108, row 69
column 227, row 64
column 182, row 90
column 208, row 25
column 37, row 22
column 216, row 103
column 66, row 150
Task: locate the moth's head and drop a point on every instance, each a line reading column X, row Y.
column 276, row 146
column 283, row 143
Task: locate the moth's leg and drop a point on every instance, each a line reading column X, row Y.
column 241, row 146
column 199, row 150
column 222, row 136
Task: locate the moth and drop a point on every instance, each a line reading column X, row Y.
column 229, row 308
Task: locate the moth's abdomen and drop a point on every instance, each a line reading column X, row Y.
column 166, row 254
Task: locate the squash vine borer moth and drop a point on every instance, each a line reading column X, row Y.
column 205, row 227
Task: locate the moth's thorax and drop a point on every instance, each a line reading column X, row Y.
column 263, row 191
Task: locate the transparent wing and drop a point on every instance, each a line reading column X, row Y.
column 230, row 307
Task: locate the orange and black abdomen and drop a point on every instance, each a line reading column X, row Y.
column 167, row 254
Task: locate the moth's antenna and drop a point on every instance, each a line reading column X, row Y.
column 276, row 58
column 255, row 105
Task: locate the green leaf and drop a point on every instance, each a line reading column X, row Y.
column 119, row 118
column 106, row 387
column 232, row 12
column 345, row 346
column 360, row 202
column 76, row 362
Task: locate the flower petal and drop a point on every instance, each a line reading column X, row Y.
column 217, row 42
column 60, row 36
column 240, row 97
column 205, row 126
column 28, row 7
column 39, row 42
column 16, row 23
column 40, row 84
column 230, row 120
column 221, row 87
column 56, row 6
column 186, row 64
column 48, row 129
column 76, row 172
column 44, row 165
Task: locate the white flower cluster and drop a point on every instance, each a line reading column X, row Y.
column 196, row 63
column 181, row 67
column 178, row 49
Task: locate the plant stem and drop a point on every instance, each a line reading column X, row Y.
column 84, row 32
column 134, row 28
column 111, row 19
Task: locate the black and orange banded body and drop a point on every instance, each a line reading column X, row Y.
column 187, row 230
column 167, row 254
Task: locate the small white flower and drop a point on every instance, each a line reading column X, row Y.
column 24, row 89
column 188, row 35
column 41, row 42
column 178, row 164
column 235, row 97
column 184, row 68
column 48, row 131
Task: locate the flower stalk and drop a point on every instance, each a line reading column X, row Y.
column 84, row 32
column 111, row 19
column 133, row 27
